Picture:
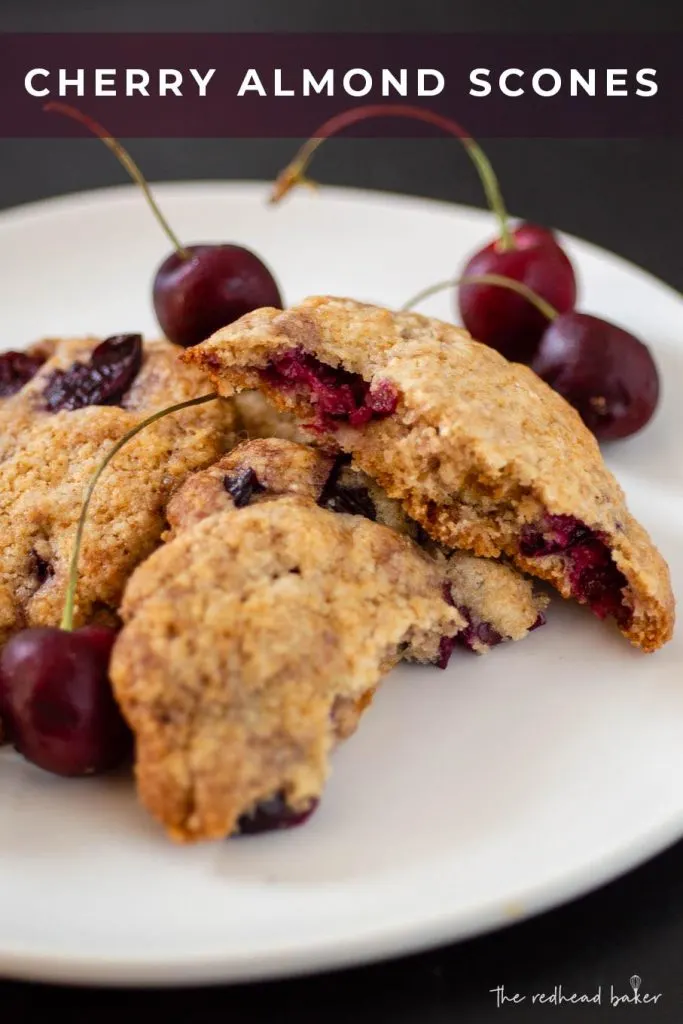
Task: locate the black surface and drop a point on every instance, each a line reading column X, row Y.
column 623, row 195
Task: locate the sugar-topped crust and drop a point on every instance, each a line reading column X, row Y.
column 477, row 449
column 251, row 642
column 47, row 460
column 281, row 468
column 489, row 591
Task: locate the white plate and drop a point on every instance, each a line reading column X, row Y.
column 468, row 798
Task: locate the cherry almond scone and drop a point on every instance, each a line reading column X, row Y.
column 63, row 404
column 496, row 602
column 290, row 616
column 479, row 451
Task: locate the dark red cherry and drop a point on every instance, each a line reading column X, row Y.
column 503, row 319
column 338, row 395
column 102, row 380
column 217, row 284
column 198, row 288
column 607, row 374
column 56, row 701
column 17, row 369
column 242, row 486
column 273, row 815
column 477, row 632
column 593, row 576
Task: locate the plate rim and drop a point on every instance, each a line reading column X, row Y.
column 382, row 943
column 34, row 207
column 335, row 955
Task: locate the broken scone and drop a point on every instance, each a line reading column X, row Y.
column 496, row 602
column 63, row 405
column 250, row 644
column 257, row 417
column 480, row 452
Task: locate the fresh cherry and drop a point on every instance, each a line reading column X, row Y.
column 606, row 373
column 198, row 288
column 202, row 288
column 502, row 319
column 530, row 255
column 56, row 700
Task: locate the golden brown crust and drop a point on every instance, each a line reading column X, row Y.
column 282, row 468
column 477, row 448
column 492, row 593
column 47, row 459
column 289, row 617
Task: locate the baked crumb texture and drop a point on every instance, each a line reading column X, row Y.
column 251, row 643
column 47, row 460
column 256, row 417
column 479, row 451
column 496, row 601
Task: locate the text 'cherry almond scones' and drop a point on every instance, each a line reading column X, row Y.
column 63, row 405
column 290, row 617
column 480, row 451
column 496, row 602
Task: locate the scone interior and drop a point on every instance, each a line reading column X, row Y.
column 496, row 602
column 480, row 452
column 56, row 425
column 251, row 643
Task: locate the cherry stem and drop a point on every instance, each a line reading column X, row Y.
column 294, row 173
column 126, row 161
column 497, row 280
column 68, row 616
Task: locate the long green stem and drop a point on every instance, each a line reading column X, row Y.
column 494, row 279
column 126, row 161
column 68, row 616
column 294, row 173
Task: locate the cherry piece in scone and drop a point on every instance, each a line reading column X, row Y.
column 593, row 575
column 242, row 486
column 338, row 396
column 606, row 373
column 102, row 380
column 201, row 288
column 56, row 701
column 17, row 369
column 503, row 319
column 198, row 288
column 273, row 815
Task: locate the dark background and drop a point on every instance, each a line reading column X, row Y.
column 625, row 195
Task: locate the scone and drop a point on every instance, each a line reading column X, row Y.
column 483, row 454
column 496, row 602
column 250, row 643
column 257, row 417
column 53, row 434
